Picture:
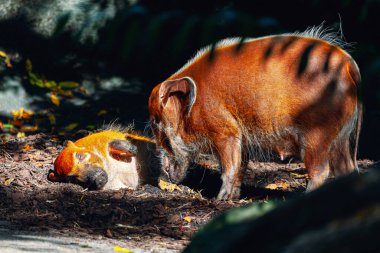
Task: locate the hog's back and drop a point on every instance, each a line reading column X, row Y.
column 274, row 82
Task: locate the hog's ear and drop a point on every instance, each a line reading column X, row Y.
column 122, row 150
column 183, row 88
column 70, row 144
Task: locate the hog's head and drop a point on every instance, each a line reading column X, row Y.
column 170, row 104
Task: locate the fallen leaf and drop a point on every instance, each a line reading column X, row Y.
column 68, row 85
column 22, row 114
column 7, row 60
column 8, row 126
column 297, row 175
column 20, row 135
column 120, row 249
column 64, row 93
column 29, row 129
column 52, row 119
column 187, row 218
column 71, row 126
column 8, row 181
column 54, row 99
column 168, row 186
column 28, row 65
column 26, row 148
column 277, row 186
column 102, row 112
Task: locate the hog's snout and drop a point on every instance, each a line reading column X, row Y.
column 95, row 178
column 172, row 170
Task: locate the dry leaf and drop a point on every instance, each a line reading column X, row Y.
column 52, row 119
column 29, row 129
column 297, row 175
column 7, row 60
column 20, row 135
column 26, row 148
column 187, row 218
column 277, row 186
column 71, row 126
column 102, row 112
column 22, row 114
column 54, row 99
column 168, row 186
column 8, row 181
column 120, row 249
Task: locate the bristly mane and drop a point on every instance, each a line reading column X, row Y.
column 328, row 34
column 116, row 126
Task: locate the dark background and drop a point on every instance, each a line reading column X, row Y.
column 119, row 50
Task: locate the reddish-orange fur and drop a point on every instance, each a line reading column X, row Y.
column 272, row 90
column 99, row 154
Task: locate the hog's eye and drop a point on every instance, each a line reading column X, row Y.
column 82, row 156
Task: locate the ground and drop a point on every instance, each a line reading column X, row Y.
column 149, row 219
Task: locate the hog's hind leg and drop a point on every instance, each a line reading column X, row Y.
column 316, row 158
column 341, row 162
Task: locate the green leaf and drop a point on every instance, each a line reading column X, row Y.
column 28, row 65
column 50, row 85
column 68, row 85
column 71, row 126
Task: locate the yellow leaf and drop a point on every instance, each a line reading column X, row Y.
column 65, row 93
column 8, row 181
column 277, row 186
column 187, row 218
column 7, row 60
column 52, row 119
column 120, row 249
column 20, row 135
column 168, row 186
column 15, row 114
column 297, row 175
column 26, row 148
column 29, row 129
column 22, row 114
column 102, row 112
column 54, row 99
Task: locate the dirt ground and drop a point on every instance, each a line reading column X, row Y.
column 148, row 218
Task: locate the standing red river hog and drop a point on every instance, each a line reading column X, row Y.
column 295, row 92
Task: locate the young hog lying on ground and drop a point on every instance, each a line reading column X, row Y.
column 242, row 98
column 107, row 160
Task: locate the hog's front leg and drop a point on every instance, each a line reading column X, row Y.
column 229, row 151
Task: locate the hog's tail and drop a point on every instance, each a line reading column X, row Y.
column 356, row 133
column 354, row 73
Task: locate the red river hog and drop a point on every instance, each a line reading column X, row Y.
column 239, row 98
column 108, row 160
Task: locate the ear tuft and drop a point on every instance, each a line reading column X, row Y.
column 70, row 144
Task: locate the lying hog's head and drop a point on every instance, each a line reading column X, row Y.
column 86, row 166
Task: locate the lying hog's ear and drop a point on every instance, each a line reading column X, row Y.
column 122, row 150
